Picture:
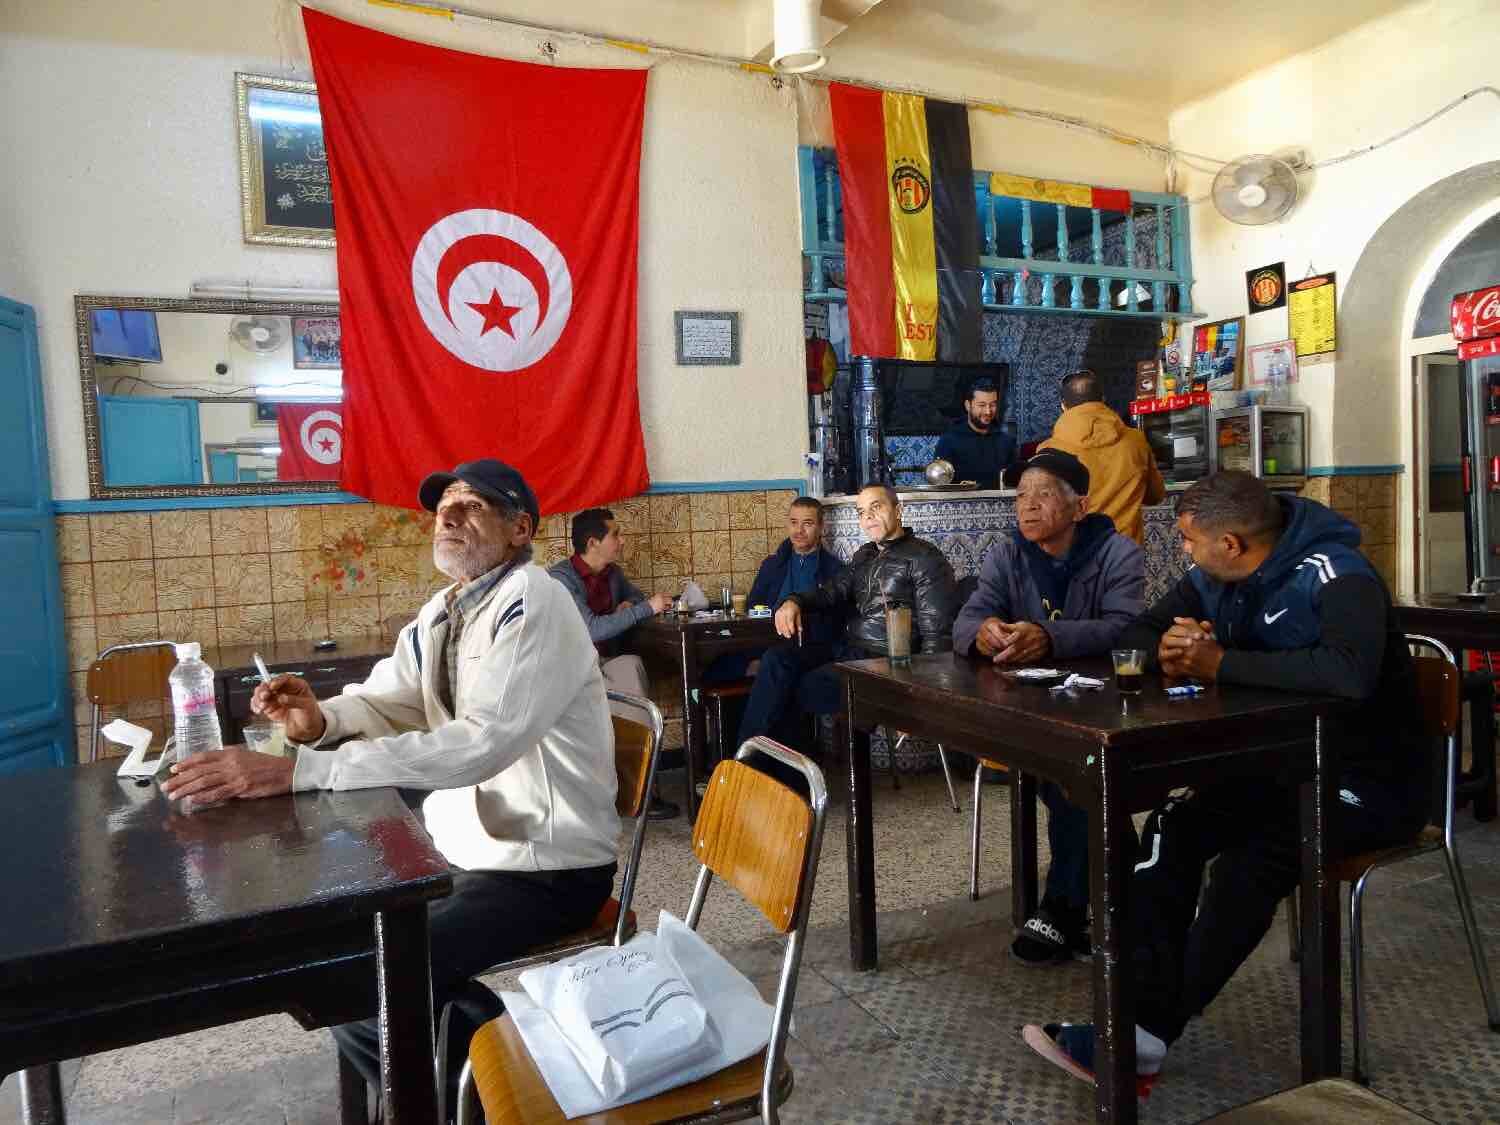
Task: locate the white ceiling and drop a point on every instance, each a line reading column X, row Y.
column 1156, row 55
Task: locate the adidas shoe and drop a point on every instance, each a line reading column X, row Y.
column 1053, row 935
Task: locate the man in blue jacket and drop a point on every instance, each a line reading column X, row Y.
column 1279, row 597
column 1063, row 584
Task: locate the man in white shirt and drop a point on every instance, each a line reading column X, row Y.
column 492, row 700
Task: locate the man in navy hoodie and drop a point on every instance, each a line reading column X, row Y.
column 1064, row 584
column 1278, row 597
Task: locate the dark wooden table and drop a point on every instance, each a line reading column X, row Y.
column 326, row 671
column 689, row 644
column 1115, row 755
column 127, row 921
column 1463, row 623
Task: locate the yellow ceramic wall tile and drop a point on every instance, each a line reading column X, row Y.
column 186, row 583
column 1343, row 494
column 124, row 628
column 83, row 710
column 555, row 526
column 712, row 581
column 710, row 551
column 397, row 527
column 635, row 558
column 402, row 604
column 82, row 641
column 246, row 624
column 125, row 587
column 545, row 552
column 201, row 625
column 669, row 584
column 710, row 511
column 291, row 574
column 298, row 528
column 242, row 579
column 73, row 539
column 672, row 512
column 239, row 531
column 77, row 589
column 1378, row 525
column 634, row 515
column 400, row 570
column 742, row 580
column 349, row 522
column 120, row 535
column 1376, row 491
column 343, row 570
column 1316, row 489
column 179, row 533
column 748, row 549
column 353, row 616
column 747, row 510
column 778, row 500
column 671, row 553
column 300, row 621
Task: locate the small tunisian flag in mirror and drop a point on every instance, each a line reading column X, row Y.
column 487, row 223
column 311, row 436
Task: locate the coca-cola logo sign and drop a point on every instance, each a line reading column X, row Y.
column 1487, row 313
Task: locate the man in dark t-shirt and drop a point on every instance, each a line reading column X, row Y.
column 978, row 450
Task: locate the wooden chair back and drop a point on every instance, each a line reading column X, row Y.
column 131, row 673
column 634, row 744
column 1437, row 684
column 754, row 833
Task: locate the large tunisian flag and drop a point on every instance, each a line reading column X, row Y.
column 487, row 265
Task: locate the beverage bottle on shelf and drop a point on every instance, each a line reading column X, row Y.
column 195, row 719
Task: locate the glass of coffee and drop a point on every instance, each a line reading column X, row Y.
column 1130, row 670
column 898, row 634
column 726, row 600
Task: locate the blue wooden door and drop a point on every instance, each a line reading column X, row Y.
column 150, row 440
column 36, row 727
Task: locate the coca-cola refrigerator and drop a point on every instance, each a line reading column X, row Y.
column 1476, row 327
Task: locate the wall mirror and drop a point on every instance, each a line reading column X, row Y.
column 204, row 397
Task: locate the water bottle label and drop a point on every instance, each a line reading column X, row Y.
column 195, row 704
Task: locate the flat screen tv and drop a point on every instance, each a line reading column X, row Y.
column 924, row 398
column 127, row 334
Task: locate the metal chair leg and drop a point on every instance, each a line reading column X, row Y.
column 1293, row 929
column 1357, row 979
column 1471, row 931
column 440, row 1062
column 974, row 838
column 469, row 1109
column 891, row 757
column 948, row 777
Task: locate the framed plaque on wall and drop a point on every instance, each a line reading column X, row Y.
column 286, row 197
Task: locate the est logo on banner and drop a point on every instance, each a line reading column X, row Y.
column 487, row 258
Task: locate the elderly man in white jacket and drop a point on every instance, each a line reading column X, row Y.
column 494, row 701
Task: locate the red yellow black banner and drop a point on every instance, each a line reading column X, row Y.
column 911, row 235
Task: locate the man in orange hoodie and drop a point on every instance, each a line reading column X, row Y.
column 1122, row 472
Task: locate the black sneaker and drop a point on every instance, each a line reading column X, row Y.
column 659, row 809
column 1053, row 935
column 1070, row 1047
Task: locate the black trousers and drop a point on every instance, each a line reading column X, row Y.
column 491, row 916
column 1180, row 962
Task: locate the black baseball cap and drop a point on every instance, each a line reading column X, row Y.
column 1061, row 464
column 488, row 477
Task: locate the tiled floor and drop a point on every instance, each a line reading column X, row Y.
column 932, row 1037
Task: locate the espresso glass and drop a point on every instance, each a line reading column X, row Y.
column 1130, row 670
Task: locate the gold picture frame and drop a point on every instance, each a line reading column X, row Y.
column 285, row 192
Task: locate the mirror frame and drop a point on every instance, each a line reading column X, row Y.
column 83, row 306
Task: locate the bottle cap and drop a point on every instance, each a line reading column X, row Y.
column 188, row 650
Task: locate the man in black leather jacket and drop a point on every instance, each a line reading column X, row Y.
column 894, row 568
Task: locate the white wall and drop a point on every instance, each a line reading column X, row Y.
column 129, row 185
column 1352, row 92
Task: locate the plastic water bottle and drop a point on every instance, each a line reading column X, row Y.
column 195, row 718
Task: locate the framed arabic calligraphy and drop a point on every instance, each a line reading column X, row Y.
column 286, row 197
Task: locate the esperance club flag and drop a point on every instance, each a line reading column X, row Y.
column 911, row 229
column 311, row 436
column 487, row 219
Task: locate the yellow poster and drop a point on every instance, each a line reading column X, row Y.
column 1312, row 314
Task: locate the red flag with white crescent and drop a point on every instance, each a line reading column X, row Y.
column 311, row 436
column 487, row 218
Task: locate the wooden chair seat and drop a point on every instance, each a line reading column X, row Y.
column 1350, row 868
column 732, row 690
column 1333, row 1101
column 990, row 763
column 514, row 1093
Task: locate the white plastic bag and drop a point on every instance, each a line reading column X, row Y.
column 628, row 1014
column 738, row 1017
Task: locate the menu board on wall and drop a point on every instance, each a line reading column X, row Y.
column 1312, row 314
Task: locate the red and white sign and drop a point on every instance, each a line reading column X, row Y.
column 311, row 436
column 1171, row 402
column 487, row 257
column 1476, row 314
